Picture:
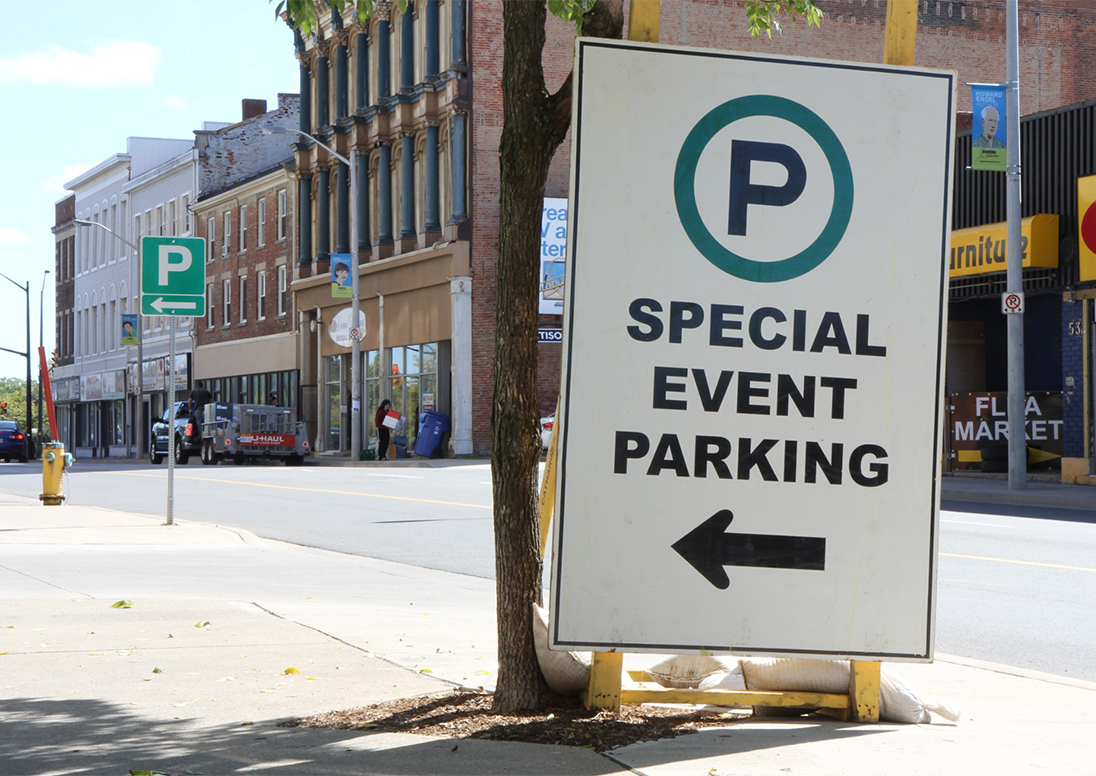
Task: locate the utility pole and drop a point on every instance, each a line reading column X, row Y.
column 1017, row 440
column 26, row 290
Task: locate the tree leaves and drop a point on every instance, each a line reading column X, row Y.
column 762, row 15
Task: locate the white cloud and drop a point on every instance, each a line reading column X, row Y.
column 11, row 237
column 176, row 102
column 124, row 62
column 55, row 184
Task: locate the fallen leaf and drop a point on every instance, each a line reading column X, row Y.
column 291, row 670
column 201, row 624
column 4, row 653
column 454, row 747
column 157, row 670
column 310, row 678
column 425, row 671
column 246, row 724
column 481, row 671
column 148, row 773
column 123, row 604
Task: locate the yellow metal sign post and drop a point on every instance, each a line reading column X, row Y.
column 605, row 690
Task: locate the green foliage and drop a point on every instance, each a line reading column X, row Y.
column 571, row 10
column 305, row 14
column 763, row 15
column 13, row 390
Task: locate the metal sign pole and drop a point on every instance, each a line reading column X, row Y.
column 1017, row 442
column 171, row 426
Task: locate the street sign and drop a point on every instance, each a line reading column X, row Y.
column 1012, row 303
column 173, row 276
column 775, row 348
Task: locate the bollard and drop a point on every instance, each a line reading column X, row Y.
column 54, row 461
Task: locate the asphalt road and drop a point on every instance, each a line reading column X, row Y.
column 1017, row 589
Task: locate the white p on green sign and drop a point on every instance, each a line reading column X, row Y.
column 173, row 276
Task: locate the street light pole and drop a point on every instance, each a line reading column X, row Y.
column 137, row 422
column 26, row 290
column 41, row 299
column 1017, row 442
column 355, row 298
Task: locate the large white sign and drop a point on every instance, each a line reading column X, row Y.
column 753, row 353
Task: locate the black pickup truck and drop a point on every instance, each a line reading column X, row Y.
column 188, row 435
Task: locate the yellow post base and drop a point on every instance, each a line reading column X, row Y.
column 864, row 690
column 603, row 691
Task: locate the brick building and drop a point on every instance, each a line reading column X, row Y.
column 63, row 377
column 246, row 350
column 417, row 96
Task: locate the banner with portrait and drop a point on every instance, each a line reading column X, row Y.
column 989, row 131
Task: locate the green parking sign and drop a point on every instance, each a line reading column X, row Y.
column 173, row 276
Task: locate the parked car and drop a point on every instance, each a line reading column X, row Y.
column 546, row 426
column 13, row 442
column 188, row 435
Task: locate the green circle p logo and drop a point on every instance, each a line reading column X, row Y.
column 744, row 193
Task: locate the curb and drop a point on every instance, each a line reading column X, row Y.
column 1039, row 498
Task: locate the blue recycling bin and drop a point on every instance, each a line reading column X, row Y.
column 432, row 427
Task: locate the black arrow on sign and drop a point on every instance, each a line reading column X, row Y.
column 708, row 549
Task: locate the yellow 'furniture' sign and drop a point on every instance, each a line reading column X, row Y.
column 980, row 250
column 1086, row 226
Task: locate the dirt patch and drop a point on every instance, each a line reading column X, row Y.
column 562, row 721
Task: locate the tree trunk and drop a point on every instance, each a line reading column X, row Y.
column 534, row 124
column 524, row 156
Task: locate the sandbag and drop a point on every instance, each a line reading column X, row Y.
column 685, row 671
column 898, row 702
column 567, row 673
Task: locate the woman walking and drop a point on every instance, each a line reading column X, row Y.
column 383, row 432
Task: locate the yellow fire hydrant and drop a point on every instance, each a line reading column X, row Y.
column 54, row 462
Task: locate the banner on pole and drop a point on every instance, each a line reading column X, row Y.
column 340, row 276
column 989, row 133
column 129, row 328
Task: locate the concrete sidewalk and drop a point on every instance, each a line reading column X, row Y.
column 223, row 614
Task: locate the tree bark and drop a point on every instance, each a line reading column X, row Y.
column 534, row 124
column 524, row 156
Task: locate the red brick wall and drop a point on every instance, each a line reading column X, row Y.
column 1058, row 47
column 250, row 259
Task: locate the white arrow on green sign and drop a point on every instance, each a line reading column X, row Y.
column 173, row 276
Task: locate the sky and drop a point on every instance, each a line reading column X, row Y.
column 92, row 75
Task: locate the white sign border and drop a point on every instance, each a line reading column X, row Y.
column 581, row 45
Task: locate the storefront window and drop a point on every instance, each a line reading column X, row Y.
column 118, row 422
column 333, row 412
column 413, row 384
column 372, row 396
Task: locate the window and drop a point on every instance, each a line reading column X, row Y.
column 243, row 228
column 260, row 298
column 281, row 290
column 209, row 307
column 261, row 224
column 160, row 223
column 226, row 302
column 211, row 235
column 226, row 238
column 243, row 298
column 281, row 214
column 186, row 213
column 171, row 218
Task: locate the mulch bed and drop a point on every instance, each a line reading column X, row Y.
column 560, row 720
